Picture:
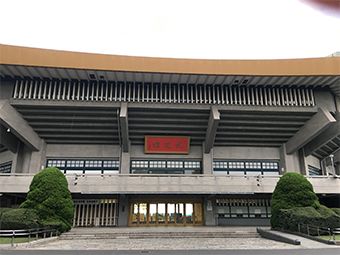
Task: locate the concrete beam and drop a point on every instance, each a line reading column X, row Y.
column 139, row 184
column 214, row 119
column 124, row 127
column 11, row 119
column 317, row 124
column 8, row 139
column 332, row 131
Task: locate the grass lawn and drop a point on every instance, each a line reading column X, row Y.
column 8, row 240
column 337, row 237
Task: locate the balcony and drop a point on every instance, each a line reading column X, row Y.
column 167, row 184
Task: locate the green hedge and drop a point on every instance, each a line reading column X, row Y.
column 19, row 219
column 336, row 210
column 322, row 217
column 3, row 210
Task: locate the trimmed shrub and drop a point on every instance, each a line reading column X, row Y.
column 292, row 190
column 321, row 217
column 50, row 197
column 336, row 210
column 3, row 210
column 19, row 219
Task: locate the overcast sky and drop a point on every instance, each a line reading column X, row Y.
column 226, row 29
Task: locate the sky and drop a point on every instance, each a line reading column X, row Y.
column 206, row 29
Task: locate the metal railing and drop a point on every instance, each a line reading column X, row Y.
column 31, row 234
column 317, row 231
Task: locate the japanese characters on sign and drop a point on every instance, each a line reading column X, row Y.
column 167, row 144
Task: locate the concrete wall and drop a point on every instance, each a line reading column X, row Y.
column 325, row 99
column 246, row 153
column 82, row 151
column 6, row 156
column 6, row 89
column 313, row 161
column 137, row 151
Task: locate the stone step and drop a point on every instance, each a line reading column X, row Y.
column 142, row 235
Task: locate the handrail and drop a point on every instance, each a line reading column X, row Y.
column 309, row 228
column 28, row 232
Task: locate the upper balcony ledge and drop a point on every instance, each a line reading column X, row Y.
column 167, row 184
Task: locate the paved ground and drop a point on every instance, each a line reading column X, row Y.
column 178, row 252
column 152, row 244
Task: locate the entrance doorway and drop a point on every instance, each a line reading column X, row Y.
column 165, row 214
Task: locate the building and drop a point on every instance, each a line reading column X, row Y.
column 154, row 141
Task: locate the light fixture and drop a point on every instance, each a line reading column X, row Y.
column 8, row 130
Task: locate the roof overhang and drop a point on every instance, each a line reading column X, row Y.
column 15, row 55
column 42, row 63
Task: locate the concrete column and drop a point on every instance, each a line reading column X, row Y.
column 209, row 212
column 22, row 159
column 207, row 161
column 123, row 208
column 38, row 159
column 289, row 162
column 303, row 162
column 125, row 162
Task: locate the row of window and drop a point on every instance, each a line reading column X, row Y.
column 93, row 166
column 246, row 167
column 166, row 167
column 243, row 208
column 6, row 167
column 165, row 164
column 314, row 170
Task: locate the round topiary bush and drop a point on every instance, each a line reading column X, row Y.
column 292, row 190
column 50, row 197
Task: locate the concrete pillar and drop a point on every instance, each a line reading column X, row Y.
column 22, row 159
column 38, row 159
column 303, row 162
column 289, row 162
column 123, row 211
column 209, row 211
column 207, row 161
column 125, row 162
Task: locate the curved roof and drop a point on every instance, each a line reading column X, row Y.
column 16, row 55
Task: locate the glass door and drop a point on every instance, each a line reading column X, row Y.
column 171, row 214
column 152, row 214
column 180, row 216
column 158, row 214
column 161, row 213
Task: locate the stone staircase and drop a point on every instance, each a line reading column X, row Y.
column 159, row 232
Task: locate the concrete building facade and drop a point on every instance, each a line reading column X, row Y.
column 245, row 124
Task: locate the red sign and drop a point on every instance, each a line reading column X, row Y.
column 167, row 144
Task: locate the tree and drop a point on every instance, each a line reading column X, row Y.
column 50, row 197
column 292, row 190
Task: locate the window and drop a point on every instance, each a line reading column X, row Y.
column 6, row 167
column 243, row 208
column 174, row 164
column 313, row 171
column 165, row 167
column 88, row 166
column 248, row 167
